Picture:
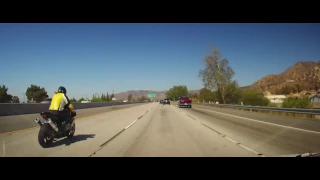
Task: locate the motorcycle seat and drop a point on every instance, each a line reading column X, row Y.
column 50, row 115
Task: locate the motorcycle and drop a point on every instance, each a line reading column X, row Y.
column 49, row 130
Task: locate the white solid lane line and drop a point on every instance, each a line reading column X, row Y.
column 249, row 119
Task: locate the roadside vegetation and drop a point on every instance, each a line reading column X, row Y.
column 36, row 94
column 297, row 103
column 176, row 91
column 220, row 87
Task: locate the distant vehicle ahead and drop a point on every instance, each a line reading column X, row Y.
column 166, row 101
column 161, row 101
column 86, row 101
column 184, row 102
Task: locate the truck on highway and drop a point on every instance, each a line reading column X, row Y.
column 166, row 101
column 184, row 102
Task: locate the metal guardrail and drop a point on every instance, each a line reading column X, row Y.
column 285, row 110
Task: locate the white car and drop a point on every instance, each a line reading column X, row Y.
column 86, row 101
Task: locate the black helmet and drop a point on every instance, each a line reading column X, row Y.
column 62, row 90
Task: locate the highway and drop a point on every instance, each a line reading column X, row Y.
column 153, row 129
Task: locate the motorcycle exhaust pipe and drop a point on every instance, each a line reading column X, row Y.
column 39, row 122
column 53, row 125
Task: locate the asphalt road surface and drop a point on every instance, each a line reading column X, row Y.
column 157, row 130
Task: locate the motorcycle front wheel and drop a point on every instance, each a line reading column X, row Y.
column 44, row 137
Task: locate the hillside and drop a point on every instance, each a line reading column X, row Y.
column 139, row 93
column 302, row 76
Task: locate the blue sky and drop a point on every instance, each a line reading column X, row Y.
column 99, row 58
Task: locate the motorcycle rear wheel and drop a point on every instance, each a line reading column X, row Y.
column 71, row 131
column 44, row 136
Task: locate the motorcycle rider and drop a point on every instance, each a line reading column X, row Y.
column 61, row 106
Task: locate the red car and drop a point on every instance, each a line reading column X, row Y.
column 184, row 102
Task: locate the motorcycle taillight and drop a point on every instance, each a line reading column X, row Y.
column 44, row 116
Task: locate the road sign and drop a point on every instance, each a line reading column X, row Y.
column 152, row 95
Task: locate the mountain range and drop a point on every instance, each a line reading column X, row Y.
column 302, row 77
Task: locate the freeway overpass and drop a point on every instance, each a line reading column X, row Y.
column 152, row 129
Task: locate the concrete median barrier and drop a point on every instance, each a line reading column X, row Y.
column 10, row 109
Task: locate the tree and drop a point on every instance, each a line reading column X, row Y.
column 142, row 98
column 96, row 98
column 3, row 93
column 193, row 95
column 112, row 96
column 254, row 99
column 103, row 98
column 15, row 99
column 129, row 97
column 36, row 93
column 73, row 100
column 9, row 98
column 81, row 99
column 108, row 98
column 233, row 94
column 206, row 95
column 176, row 91
column 217, row 73
column 4, row 96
